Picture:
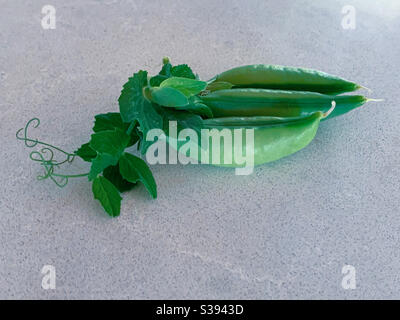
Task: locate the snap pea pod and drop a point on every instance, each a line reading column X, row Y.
column 274, row 137
column 247, row 122
column 285, row 78
column 278, row 103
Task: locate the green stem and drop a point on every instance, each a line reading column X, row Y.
column 130, row 128
column 70, row 176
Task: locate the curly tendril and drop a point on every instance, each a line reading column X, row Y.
column 46, row 156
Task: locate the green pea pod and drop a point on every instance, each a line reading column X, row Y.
column 274, row 137
column 277, row 103
column 247, row 122
column 285, row 78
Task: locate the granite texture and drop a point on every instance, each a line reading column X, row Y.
column 283, row 232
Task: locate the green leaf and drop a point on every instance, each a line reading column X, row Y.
column 165, row 73
column 168, row 97
column 112, row 142
column 110, row 145
column 183, row 70
column 102, row 161
column 131, row 166
column 157, row 80
column 109, row 121
column 86, row 152
column 114, row 176
column 183, row 118
column 131, row 101
column 108, row 195
column 105, row 122
column 131, row 98
column 135, row 107
column 219, row 85
column 189, row 87
column 134, row 137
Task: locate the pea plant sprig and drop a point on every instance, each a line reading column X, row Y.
column 283, row 105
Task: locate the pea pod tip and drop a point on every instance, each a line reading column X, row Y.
column 375, row 100
column 359, row 86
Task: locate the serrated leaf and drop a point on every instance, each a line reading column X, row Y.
column 183, row 118
column 102, row 161
column 86, row 152
column 131, row 166
column 168, row 97
column 114, row 176
column 157, row 80
column 165, row 73
column 112, row 142
column 109, row 121
column 135, row 107
column 108, row 195
column 189, row 87
column 109, row 145
column 131, row 101
column 183, row 70
column 133, row 138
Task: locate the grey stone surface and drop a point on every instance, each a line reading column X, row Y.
column 285, row 231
